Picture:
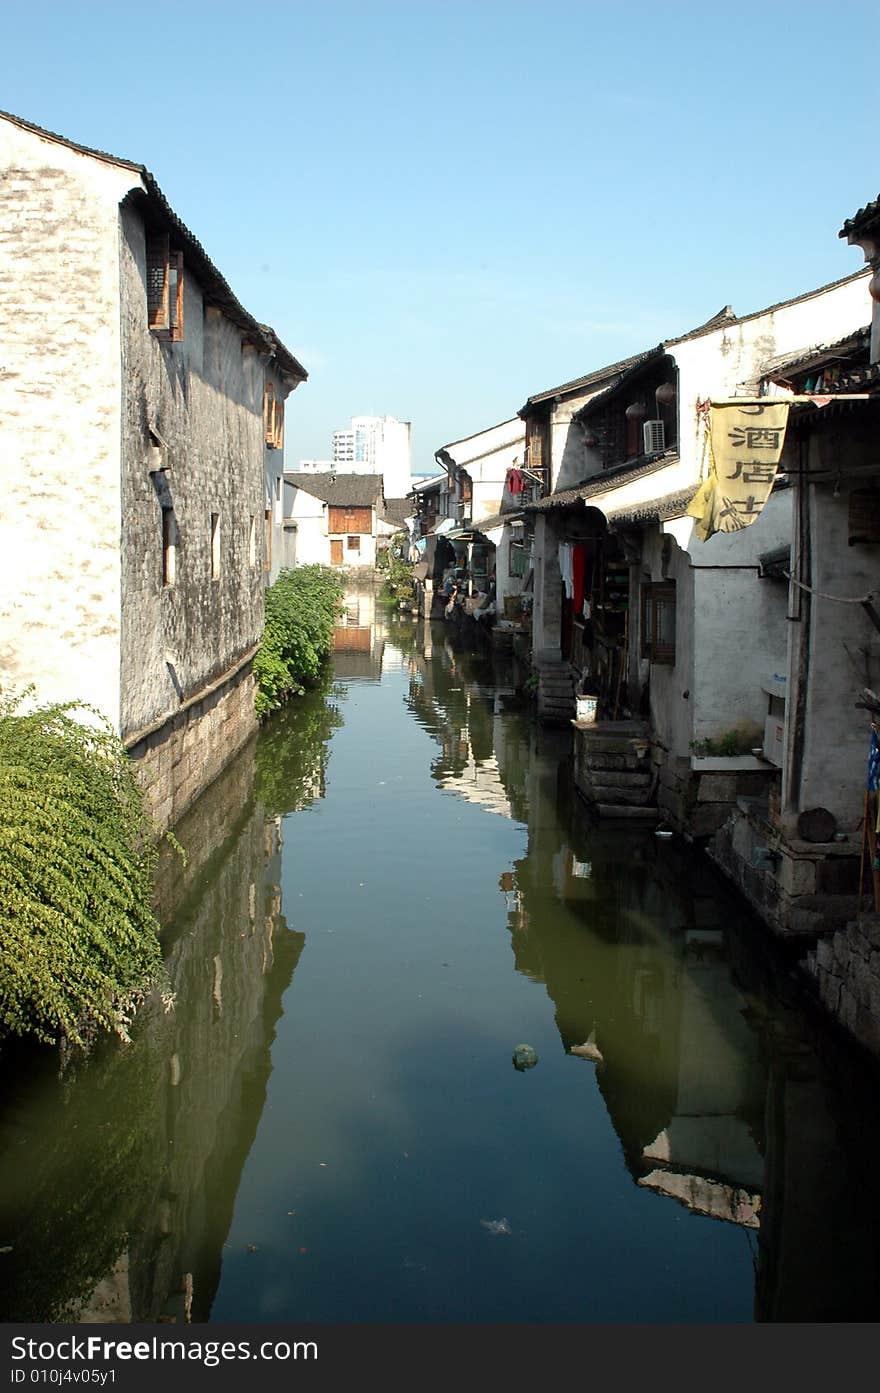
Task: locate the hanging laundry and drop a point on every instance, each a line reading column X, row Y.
column 516, row 481
column 873, row 773
column 578, row 569
column 565, row 568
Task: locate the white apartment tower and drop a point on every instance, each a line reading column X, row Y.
column 376, row 445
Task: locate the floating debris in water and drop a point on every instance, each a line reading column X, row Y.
column 589, row 1049
column 496, row 1225
column 524, row 1057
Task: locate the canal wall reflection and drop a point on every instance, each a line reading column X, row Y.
column 119, row 1212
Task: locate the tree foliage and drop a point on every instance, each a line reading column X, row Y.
column 292, row 752
column 397, row 586
column 79, row 944
column 301, row 610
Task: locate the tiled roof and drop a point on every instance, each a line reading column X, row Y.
column 800, row 361
column 576, row 384
column 602, row 483
column 866, row 219
column 346, row 490
column 398, row 509
column 215, row 287
column 671, row 505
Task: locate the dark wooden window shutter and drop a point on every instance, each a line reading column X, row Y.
column 157, row 280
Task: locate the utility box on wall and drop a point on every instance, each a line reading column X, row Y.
column 774, row 722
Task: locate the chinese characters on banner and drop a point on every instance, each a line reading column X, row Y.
column 745, row 442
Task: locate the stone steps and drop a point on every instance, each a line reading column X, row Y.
column 613, row 771
column 556, row 698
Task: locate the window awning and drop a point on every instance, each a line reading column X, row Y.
column 775, row 565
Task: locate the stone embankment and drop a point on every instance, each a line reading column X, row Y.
column 845, row 966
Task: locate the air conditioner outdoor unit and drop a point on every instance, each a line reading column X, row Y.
column 654, row 437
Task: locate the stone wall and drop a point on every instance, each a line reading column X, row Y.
column 800, row 889
column 845, row 965
column 699, row 794
column 202, row 399
column 177, row 760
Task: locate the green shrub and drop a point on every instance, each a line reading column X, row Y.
column 301, row 611
column 397, row 587
column 732, row 742
column 79, row 944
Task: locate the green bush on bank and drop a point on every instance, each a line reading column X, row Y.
column 79, row 944
column 397, row 586
column 301, row 611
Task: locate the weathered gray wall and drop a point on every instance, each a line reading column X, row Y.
column 204, row 399
column 843, row 647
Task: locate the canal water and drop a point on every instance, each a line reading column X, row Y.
column 390, row 890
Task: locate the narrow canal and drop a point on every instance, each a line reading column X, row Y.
column 391, row 889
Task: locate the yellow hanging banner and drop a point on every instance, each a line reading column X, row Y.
column 745, row 443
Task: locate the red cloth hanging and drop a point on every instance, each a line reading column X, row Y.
column 516, row 481
column 578, row 569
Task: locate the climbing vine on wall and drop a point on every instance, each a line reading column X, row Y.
column 79, row 943
column 301, row 612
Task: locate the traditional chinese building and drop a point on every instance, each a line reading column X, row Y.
column 681, row 633
column 803, row 854
column 142, row 416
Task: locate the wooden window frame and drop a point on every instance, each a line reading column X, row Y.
column 273, row 418
column 520, row 570
column 164, row 312
column 353, row 542
column 267, row 559
column 655, row 597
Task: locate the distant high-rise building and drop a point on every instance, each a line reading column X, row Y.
column 376, row 445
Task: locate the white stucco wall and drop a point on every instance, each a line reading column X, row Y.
column 487, row 457
column 60, row 380
column 740, row 628
column 844, row 650
column 310, row 516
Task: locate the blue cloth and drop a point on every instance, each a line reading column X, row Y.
column 873, row 763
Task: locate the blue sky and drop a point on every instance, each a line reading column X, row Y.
column 443, row 208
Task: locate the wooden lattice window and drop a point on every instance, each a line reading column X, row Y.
column 273, row 417
column 164, row 287
column 658, row 622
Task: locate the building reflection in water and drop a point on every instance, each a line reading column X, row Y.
column 728, row 1095
column 121, row 1215
column 358, row 643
